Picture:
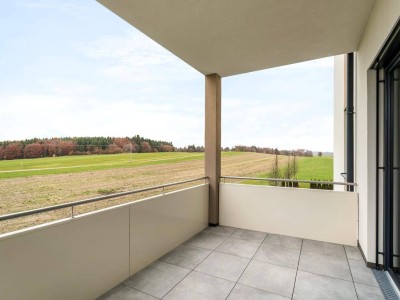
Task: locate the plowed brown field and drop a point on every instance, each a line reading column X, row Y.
column 25, row 193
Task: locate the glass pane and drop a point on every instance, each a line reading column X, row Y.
column 396, row 166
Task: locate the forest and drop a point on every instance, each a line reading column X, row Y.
column 35, row 148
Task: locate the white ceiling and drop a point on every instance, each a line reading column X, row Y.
column 230, row 37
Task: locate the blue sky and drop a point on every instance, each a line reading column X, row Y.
column 73, row 68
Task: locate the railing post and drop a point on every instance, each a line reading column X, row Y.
column 213, row 143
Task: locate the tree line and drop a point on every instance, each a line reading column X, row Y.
column 276, row 151
column 35, row 148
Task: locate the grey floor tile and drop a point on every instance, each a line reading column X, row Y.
column 353, row 253
column 157, row 279
column 238, row 247
column 361, row 273
column 323, row 248
column 249, row 235
column 186, row 256
column 271, row 278
column 283, row 241
column 366, row 292
column 316, row 287
column 286, row 257
column 221, row 230
column 325, row 265
column 222, row 265
column 241, row 292
column 198, row 286
column 122, row 292
column 206, row 240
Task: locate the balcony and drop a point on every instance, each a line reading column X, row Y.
column 231, row 263
column 274, row 242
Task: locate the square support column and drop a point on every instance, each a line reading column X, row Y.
column 213, row 143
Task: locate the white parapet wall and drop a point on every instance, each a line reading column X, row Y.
column 328, row 216
column 160, row 224
column 83, row 257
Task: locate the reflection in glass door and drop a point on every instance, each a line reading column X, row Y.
column 393, row 97
column 391, row 166
column 387, row 67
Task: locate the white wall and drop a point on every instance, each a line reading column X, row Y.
column 313, row 214
column 72, row 259
column 382, row 20
column 339, row 105
column 84, row 257
column 159, row 224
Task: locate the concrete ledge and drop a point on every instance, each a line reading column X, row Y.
column 321, row 215
column 84, row 257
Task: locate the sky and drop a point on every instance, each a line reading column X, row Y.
column 73, row 68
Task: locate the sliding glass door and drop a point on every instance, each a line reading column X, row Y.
column 392, row 195
column 387, row 66
column 388, row 164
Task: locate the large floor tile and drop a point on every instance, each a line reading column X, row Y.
column 282, row 256
column 361, row 273
column 157, row 279
column 367, row 292
column 283, row 241
column 198, row 286
column 271, row 278
column 325, row 265
column 222, row 265
column 241, row 292
column 186, row 256
column 353, row 253
column 323, row 248
column 221, row 230
column 206, row 240
column 249, row 235
column 316, row 287
column 122, row 292
column 238, row 247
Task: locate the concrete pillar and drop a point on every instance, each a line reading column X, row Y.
column 339, row 121
column 213, row 143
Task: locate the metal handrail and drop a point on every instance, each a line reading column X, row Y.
column 90, row 200
column 289, row 180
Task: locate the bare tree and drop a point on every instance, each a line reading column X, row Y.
column 145, row 146
column 275, row 173
column 34, row 150
column 13, row 151
column 2, row 153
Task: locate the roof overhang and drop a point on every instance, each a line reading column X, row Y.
column 230, row 37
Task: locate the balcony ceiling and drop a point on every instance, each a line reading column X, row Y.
column 230, row 37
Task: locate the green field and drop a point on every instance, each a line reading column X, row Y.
column 73, row 164
column 316, row 168
column 33, row 183
column 309, row 168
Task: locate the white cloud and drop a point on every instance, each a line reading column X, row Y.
column 125, row 84
column 135, row 57
column 284, row 124
column 49, row 115
column 72, row 7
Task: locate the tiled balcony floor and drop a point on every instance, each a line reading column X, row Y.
column 230, row 263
